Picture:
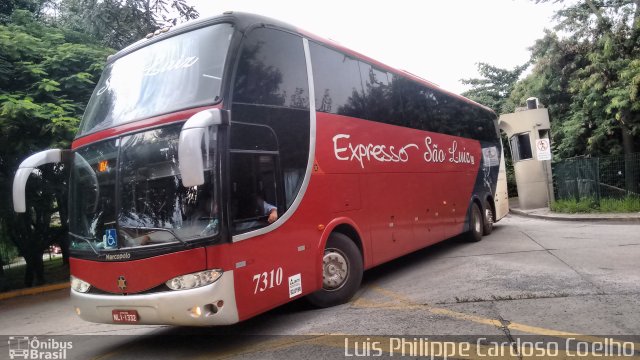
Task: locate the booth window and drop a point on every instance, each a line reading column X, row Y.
column 521, row 147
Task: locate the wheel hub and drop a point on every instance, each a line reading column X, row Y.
column 489, row 216
column 335, row 269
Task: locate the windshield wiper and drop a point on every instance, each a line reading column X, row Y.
column 87, row 239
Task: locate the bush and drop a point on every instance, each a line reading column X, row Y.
column 606, row 205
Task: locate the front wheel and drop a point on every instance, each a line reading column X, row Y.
column 341, row 272
column 475, row 224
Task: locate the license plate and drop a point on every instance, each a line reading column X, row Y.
column 125, row 316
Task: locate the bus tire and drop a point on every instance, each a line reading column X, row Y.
column 487, row 226
column 341, row 272
column 475, row 224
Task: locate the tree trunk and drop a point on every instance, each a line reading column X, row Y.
column 34, row 270
column 28, row 272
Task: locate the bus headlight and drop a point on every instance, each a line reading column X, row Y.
column 79, row 285
column 191, row 281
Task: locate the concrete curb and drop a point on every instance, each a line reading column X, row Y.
column 577, row 217
column 33, row 290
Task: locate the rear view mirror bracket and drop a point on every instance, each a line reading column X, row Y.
column 190, row 156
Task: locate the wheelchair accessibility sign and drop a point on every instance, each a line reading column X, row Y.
column 110, row 239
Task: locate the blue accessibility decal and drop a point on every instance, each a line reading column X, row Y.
column 110, row 238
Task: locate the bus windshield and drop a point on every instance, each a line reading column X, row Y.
column 176, row 73
column 127, row 192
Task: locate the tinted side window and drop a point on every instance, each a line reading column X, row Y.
column 338, row 86
column 254, row 190
column 252, row 137
column 348, row 87
column 421, row 106
column 378, row 94
column 270, row 126
column 460, row 117
column 446, row 113
column 271, row 70
column 490, row 132
column 431, row 110
column 397, row 105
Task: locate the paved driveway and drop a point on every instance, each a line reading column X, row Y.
column 552, row 279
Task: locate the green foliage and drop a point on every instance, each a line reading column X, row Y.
column 119, row 23
column 572, row 206
column 47, row 85
column 606, row 205
column 590, row 78
column 631, row 75
column 51, row 55
column 494, row 86
column 7, row 7
column 627, row 204
column 45, row 82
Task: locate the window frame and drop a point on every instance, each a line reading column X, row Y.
column 515, row 145
column 310, row 118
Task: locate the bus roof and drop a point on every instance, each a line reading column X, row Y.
column 246, row 21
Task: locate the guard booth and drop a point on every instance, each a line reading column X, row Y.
column 528, row 132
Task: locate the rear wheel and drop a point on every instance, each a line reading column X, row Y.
column 341, row 272
column 487, row 227
column 475, row 224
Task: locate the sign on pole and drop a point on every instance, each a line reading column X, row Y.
column 543, row 149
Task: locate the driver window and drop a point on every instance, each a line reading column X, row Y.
column 254, row 191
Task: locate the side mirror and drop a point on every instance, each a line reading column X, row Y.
column 190, row 156
column 26, row 168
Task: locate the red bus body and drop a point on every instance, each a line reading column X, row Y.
column 391, row 189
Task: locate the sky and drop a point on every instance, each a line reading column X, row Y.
column 440, row 41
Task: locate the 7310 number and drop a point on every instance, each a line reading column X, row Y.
column 267, row 280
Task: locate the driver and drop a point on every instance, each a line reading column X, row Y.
column 267, row 209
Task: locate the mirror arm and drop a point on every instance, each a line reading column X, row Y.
column 26, row 168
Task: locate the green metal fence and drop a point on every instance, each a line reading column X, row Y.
column 598, row 178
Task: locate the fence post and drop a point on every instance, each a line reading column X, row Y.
column 598, row 181
column 630, row 174
column 577, row 176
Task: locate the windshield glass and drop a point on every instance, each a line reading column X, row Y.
column 176, row 73
column 141, row 172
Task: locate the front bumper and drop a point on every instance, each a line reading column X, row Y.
column 165, row 308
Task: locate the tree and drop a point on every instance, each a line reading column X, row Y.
column 118, row 23
column 604, row 86
column 604, row 110
column 555, row 62
column 36, row 7
column 45, row 81
column 51, row 55
column 494, row 86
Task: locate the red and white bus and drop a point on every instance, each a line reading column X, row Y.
column 232, row 164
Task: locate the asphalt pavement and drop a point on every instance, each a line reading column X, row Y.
column 530, row 279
